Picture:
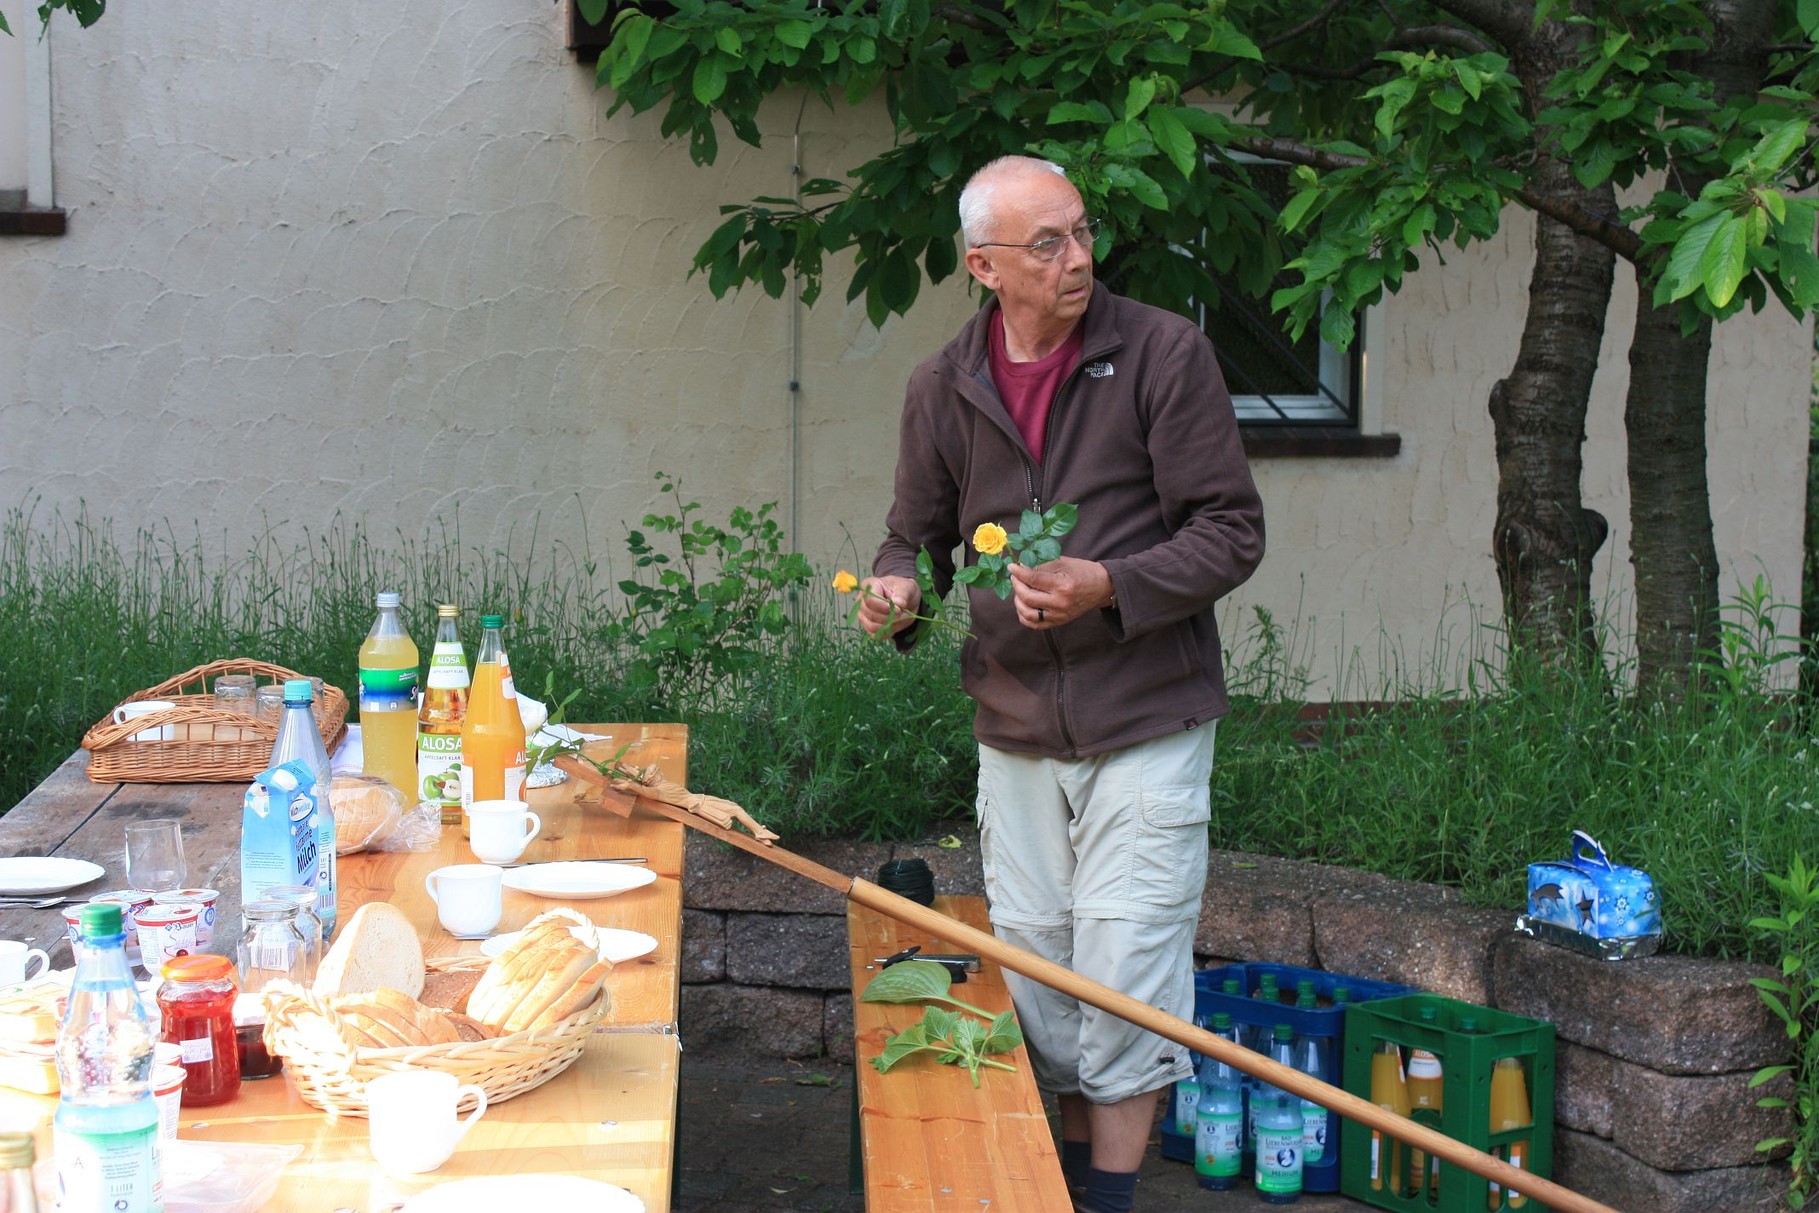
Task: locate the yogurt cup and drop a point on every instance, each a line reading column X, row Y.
column 206, row 898
column 131, row 902
column 168, row 930
column 167, row 1089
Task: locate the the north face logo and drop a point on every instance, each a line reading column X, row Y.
column 1099, row 370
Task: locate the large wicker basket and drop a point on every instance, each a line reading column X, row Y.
column 331, row 1073
column 207, row 745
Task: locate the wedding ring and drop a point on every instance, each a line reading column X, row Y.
column 1041, row 615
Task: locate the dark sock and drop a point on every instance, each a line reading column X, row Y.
column 1110, row 1191
column 1076, row 1161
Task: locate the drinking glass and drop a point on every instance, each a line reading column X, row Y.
column 154, row 854
column 268, row 703
column 234, row 693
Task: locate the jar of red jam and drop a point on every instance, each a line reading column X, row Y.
column 197, row 1003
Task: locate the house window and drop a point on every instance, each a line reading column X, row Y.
column 1276, row 380
column 26, row 203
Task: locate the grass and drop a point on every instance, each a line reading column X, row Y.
column 831, row 735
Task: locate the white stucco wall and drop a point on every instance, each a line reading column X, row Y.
column 396, row 261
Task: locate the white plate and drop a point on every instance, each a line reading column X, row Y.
column 613, row 944
column 578, row 879
column 29, row 875
column 491, row 1193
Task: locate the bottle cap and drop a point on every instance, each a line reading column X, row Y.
column 1232, row 985
column 99, row 920
column 448, row 610
column 17, row 1150
column 386, row 599
column 1221, row 1021
column 492, row 621
column 203, row 966
column 1284, row 1032
column 298, row 690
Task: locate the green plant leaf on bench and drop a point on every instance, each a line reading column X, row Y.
column 954, row 1040
column 916, row 981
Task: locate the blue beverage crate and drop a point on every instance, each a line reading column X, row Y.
column 1327, row 1023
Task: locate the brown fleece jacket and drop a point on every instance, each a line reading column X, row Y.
column 1142, row 438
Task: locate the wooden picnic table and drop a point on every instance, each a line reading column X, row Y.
column 610, row 1117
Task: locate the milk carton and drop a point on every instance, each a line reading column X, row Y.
column 278, row 829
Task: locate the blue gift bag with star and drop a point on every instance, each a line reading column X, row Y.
column 1592, row 905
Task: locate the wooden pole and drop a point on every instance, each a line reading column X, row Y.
column 1364, row 1112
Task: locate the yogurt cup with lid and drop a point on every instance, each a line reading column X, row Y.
column 206, row 898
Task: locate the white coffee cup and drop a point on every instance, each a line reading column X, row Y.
column 412, row 1122
column 499, row 830
column 468, row 897
column 16, row 958
column 144, row 707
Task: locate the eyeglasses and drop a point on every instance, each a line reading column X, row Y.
column 1054, row 246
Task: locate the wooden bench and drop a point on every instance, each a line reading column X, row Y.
column 930, row 1141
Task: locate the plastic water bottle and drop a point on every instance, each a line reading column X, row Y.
column 106, row 1126
column 1187, row 1105
column 299, row 739
column 388, row 701
column 1219, row 1124
column 1279, row 1131
column 1310, row 1059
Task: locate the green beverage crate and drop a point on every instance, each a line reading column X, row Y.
column 1466, row 1061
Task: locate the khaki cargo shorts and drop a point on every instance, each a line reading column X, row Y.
column 1098, row 864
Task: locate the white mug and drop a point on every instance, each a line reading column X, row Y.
column 499, row 830
column 468, row 897
column 412, row 1118
column 15, row 958
column 143, row 707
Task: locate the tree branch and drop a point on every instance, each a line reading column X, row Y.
column 1614, row 236
column 1312, row 23
column 1510, row 22
column 1443, row 35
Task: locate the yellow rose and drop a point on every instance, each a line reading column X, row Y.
column 989, row 538
column 845, row 582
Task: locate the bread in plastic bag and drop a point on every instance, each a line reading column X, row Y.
column 366, row 808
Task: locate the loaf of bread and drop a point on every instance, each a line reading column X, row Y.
column 365, row 806
column 449, row 989
column 389, row 1019
column 544, row 977
column 376, row 949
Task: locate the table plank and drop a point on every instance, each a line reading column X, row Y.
column 610, row 1116
column 932, row 1142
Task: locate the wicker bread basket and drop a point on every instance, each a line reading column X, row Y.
column 331, row 1073
column 207, row 745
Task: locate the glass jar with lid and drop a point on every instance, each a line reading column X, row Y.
column 197, row 1005
column 304, row 897
column 272, row 948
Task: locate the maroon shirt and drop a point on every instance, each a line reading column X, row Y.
column 1028, row 388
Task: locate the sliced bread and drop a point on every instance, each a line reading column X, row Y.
column 376, row 949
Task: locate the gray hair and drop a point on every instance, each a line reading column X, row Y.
column 977, row 221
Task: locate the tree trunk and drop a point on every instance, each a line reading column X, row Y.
column 1671, row 544
column 1545, row 538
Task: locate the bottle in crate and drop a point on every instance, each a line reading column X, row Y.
column 1186, row 1105
column 1219, row 1123
column 1389, row 1090
column 1509, row 1110
column 1279, row 1131
column 1311, row 1060
column 1426, row 1099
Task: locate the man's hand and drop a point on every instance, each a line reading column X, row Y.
column 883, row 593
column 1060, row 591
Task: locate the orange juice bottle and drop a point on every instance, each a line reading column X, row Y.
column 1424, row 1084
column 388, row 700
column 1509, row 1110
column 492, row 735
column 1389, row 1090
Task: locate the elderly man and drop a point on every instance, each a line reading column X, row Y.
column 1098, row 681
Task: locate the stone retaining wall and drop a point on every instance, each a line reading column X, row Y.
column 1653, row 1108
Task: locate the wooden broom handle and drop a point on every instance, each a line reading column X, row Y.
column 949, row 930
column 1211, row 1045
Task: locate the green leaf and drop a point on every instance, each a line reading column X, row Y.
column 727, row 39
column 1807, row 13
column 1137, row 97
column 709, row 80
column 1683, row 272
column 1029, row 525
column 1175, row 140
column 909, row 981
column 1776, row 146
column 1725, row 259
column 912, row 1040
column 1076, row 111
column 1395, row 95
column 1004, row 1034
column 794, row 33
